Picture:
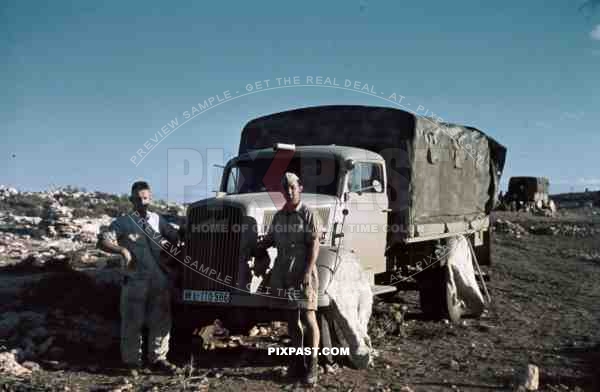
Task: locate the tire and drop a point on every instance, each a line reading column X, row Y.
column 436, row 296
column 452, row 310
column 431, row 295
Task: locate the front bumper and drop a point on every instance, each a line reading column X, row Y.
column 245, row 300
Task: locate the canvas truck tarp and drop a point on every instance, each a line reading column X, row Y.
column 437, row 172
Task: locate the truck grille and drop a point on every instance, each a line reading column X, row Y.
column 213, row 242
column 321, row 212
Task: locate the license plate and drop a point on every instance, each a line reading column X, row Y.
column 206, row 296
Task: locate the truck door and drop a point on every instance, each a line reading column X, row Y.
column 367, row 203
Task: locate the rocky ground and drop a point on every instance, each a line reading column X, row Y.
column 59, row 327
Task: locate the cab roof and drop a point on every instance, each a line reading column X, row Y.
column 341, row 153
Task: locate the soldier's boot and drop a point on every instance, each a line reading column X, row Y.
column 312, row 374
column 164, row 366
column 296, row 367
column 132, row 369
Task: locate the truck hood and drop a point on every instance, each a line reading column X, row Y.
column 252, row 203
column 260, row 208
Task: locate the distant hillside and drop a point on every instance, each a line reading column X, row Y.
column 577, row 199
column 81, row 204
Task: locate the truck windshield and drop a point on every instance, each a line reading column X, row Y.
column 318, row 175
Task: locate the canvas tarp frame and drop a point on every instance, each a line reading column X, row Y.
column 438, row 173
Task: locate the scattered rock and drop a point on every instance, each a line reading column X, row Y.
column 126, row 386
column 254, row 331
column 529, row 378
column 508, row 227
column 454, row 365
column 331, row 368
column 10, row 366
column 263, row 331
column 543, row 230
column 214, row 335
column 388, row 319
column 34, row 367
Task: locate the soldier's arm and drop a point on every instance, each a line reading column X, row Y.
column 168, row 231
column 312, row 242
column 268, row 240
column 313, row 250
column 107, row 239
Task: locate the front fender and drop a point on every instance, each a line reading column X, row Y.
column 326, row 264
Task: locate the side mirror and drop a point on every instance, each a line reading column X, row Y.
column 377, row 186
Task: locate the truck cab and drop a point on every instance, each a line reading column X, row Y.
column 344, row 186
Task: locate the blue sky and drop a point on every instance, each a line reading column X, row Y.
column 86, row 84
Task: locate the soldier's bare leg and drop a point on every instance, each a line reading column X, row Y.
column 312, row 328
column 295, row 362
column 313, row 338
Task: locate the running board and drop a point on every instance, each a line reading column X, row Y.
column 381, row 289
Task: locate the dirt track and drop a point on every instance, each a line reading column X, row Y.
column 545, row 311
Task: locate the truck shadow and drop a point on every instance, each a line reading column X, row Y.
column 239, row 357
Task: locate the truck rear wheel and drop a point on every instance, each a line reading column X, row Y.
column 436, row 297
column 452, row 310
column 432, row 297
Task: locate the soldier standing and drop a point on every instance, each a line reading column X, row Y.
column 145, row 292
column 294, row 232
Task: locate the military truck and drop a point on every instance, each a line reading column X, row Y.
column 387, row 185
column 527, row 193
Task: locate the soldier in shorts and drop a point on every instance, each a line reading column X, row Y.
column 294, row 232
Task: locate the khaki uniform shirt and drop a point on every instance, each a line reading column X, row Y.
column 291, row 232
